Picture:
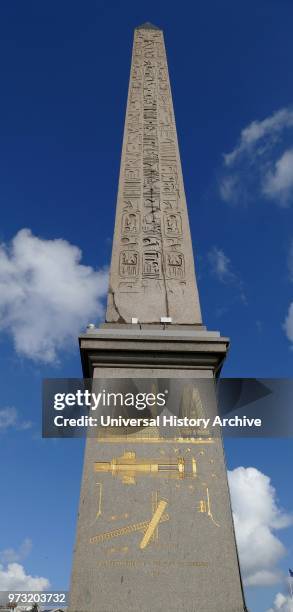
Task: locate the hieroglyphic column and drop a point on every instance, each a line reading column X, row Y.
column 152, row 269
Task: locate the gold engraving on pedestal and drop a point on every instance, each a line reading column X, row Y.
column 155, row 502
column 150, row 436
column 146, row 562
column 116, row 533
column 113, row 550
column 156, row 518
column 204, row 507
column 118, row 517
column 128, row 467
column 99, row 511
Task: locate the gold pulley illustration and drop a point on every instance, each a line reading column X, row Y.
column 128, row 467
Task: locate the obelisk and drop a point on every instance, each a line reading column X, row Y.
column 152, row 270
column 155, row 529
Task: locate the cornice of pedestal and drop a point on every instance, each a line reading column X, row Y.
column 148, row 347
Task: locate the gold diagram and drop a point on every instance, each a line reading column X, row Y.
column 116, row 533
column 128, row 467
column 151, row 437
column 116, row 550
column 204, row 507
column 117, row 517
column 153, row 524
column 155, row 502
column 99, row 511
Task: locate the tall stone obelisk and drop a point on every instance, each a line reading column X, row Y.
column 152, row 270
column 155, row 529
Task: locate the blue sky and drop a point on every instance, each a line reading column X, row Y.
column 64, row 72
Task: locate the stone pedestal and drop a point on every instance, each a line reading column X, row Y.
column 190, row 561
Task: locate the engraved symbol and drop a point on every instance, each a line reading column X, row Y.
column 130, row 223
column 151, row 223
column 149, row 73
column 151, row 437
column 116, row 533
column 133, row 146
column 113, row 550
column 152, row 202
column 128, row 467
column 168, row 134
column 155, row 502
column 151, row 242
column 156, row 518
column 129, row 263
column 172, row 224
column 204, row 507
column 136, row 74
column 170, row 204
column 116, row 517
column 132, row 174
column 163, row 74
column 99, row 512
column 175, row 265
column 152, row 263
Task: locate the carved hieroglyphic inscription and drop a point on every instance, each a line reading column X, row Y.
column 128, row 263
column 152, row 246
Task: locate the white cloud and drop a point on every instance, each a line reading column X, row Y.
column 256, row 518
column 221, row 268
column 220, row 265
column 278, row 183
column 13, row 577
column 282, row 603
column 46, row 295
column 288, row 323
column 11, row 555
column 9, row 417
column 229, row 188
column 257, row 131
column 261, row 164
